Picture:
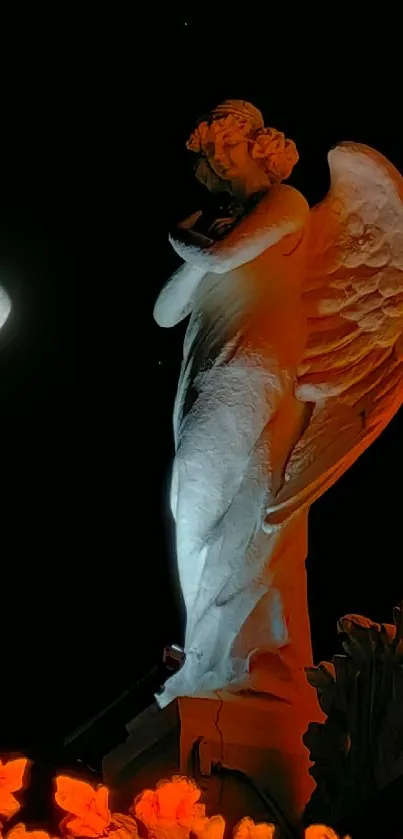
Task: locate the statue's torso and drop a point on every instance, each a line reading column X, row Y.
column 252, row 314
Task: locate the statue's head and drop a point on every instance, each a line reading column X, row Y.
column 237, row 154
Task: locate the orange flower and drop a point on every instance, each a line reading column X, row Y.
column 247, row 829
column 211, row 828
column 11, row 779
column 20, row 832
column 320, row 831
column 122, row 827
column 172, row 808
column 87, row 808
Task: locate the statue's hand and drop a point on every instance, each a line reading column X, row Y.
column 189, row 244
column 281, row 212
column 189, row 222
column 221, row 226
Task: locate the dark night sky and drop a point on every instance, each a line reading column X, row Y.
column 88, row 588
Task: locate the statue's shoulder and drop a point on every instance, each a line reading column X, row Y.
column 283, row 202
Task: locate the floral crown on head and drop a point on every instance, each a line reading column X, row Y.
column 234, row 122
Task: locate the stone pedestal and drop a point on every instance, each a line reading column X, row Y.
column 150, row 754
column 260, row 736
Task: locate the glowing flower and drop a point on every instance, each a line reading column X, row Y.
column 247, row 829
column 20, row 832
column 11, row 780
column 122, row 827
column 87, row 808
column 320, row 831
column 211, row 828
column 172, row 809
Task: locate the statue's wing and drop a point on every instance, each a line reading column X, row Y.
column 352, row 371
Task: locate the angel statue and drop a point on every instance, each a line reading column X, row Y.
column 292, row 366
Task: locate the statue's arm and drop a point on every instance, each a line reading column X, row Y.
column 174, row 303
column 281, row 212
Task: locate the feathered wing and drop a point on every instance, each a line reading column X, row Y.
column 352, row 371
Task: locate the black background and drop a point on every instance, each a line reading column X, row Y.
column 94, row 173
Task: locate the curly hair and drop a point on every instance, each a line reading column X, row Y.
column 234, row 122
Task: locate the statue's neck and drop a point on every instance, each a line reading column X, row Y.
column 252, row 190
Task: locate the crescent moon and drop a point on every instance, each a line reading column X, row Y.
column 5, row 306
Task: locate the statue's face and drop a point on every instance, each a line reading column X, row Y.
column 229, row 161
column 207, row 176
column 229, row 167
column 238, row 155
